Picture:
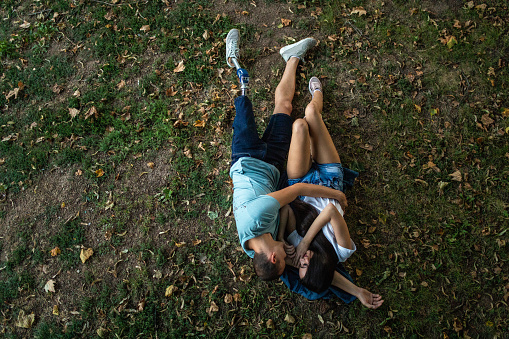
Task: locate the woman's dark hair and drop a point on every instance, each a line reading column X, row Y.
column 322, row 264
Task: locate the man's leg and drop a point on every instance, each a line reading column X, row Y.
column 286, row 88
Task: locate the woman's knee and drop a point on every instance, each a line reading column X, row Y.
column 300, row 127
column 312, row 113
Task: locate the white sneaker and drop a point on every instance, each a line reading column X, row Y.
column 232, row 46
column 314, row 85
column 297, row 49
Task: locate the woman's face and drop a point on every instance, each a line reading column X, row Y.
column 304, row 263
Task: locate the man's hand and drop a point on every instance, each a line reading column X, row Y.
column 291, row 255
column 342, row 201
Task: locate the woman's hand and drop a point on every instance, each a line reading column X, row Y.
column 302, row 248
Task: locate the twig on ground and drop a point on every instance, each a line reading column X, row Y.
column 37, row 13
column 353, row 26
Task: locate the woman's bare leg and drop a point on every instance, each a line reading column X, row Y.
column 323, row 150
column 299, row 156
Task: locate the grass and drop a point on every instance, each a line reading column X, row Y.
column 430, row 240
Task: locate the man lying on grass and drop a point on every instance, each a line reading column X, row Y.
column 255, row 171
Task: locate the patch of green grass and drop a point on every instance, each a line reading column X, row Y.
column 68, row 239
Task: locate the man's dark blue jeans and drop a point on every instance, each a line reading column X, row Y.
column 274, row 145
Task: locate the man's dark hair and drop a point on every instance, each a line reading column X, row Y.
column 320, row 271
column 264, row 268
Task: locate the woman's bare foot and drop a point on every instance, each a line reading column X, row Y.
column 369, row 299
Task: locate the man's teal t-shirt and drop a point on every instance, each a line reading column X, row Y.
column 255, row 212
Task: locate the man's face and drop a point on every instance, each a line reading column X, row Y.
column 304, row 263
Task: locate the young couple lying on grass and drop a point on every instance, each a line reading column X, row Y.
column 298, row 227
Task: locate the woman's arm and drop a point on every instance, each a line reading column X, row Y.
column 321, row 220
column 340, row 228
column 289, row 194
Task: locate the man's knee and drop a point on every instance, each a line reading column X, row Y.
column 283, row 106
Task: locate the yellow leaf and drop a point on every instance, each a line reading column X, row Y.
column 145, row 28
column 451, row 41
column 150, row 165
column 418, row 108
column 55, row 310
column 99, row 173
column 286, row 22
column 54, row 252
column 85, row 254
column 170, row 290
column 62, row 205
column 199, row 123
column 505, row 112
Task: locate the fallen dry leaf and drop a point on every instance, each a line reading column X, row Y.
column 206, row 35
column 12, row 93
column 358, row 10
column 505, row 112
column 145, row 28
column 91, row 111
column 170, row 290
column 99, row 173
column 270, row 324
column 228, row 298
column 286, row 22
column 150, row 165
column 73, row 112
column 486, row 120
column 199, row 123
column 54, row 252
column 85, row 254
column 180, row 67
column 50, row 286
column 456, row 176
column 121, row 84
column 289, row 319
column 25, row 25
column 55, row 310
column 25, row 321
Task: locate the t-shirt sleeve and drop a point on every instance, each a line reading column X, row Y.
column 257, row 217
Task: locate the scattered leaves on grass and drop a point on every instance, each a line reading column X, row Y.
column 85, row 254
column 14, row 93
column 180, row 67
column 25, row 321
column 50, row 286
column 54, row 252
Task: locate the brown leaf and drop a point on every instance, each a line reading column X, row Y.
column 73, row 112
column 457, row 325
column 358, row 271
column 486, row 120
column 367, row 147
column 121, row 85
column 99, row 173
column 25, row 321
column 91, row 111
column 270, row 324
column 12, row 93
column 286, row 22
column 358, row 10
column 54, row 252
column 170, row 92
column 78, row 173
column 456, row 176
column 180, row 67
column 213, row 308
column 289, row 319
column 85, row 254
column 57, row 88
column 145, row 28
column 228, row 298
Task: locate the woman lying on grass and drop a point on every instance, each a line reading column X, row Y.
column 315, row 226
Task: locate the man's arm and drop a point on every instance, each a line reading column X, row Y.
column 289, row 194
